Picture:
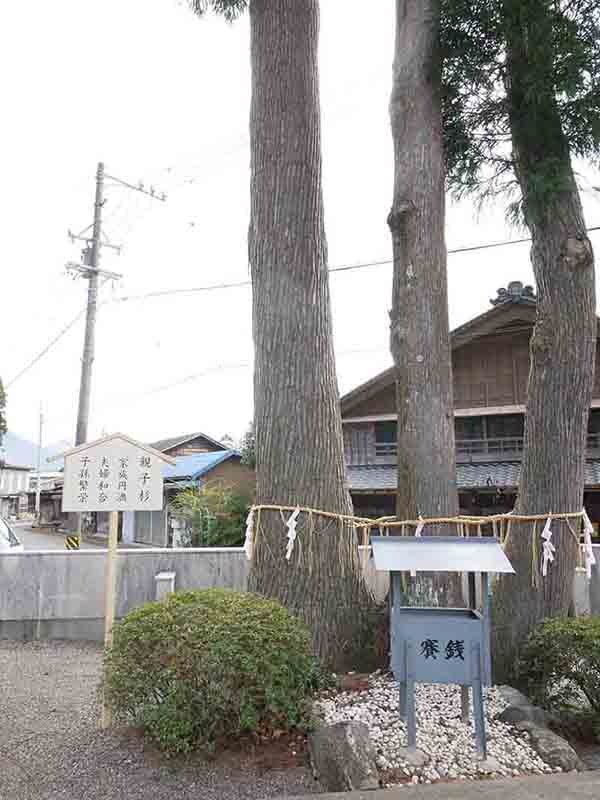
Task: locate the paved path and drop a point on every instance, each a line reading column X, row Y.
column 575, row 786
column 34, row 539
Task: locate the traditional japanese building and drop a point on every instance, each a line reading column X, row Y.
column 490, row 362
column 14, row 484
column 188, row 444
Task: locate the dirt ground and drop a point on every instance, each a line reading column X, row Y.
column 51, row 746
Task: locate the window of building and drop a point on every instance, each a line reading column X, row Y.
column 468, row 428
column 593, row 430
column 386, row 438
column 594, row 421
column 487, row 435
column 506, row 426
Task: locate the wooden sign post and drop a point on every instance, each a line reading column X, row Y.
column 113, row 474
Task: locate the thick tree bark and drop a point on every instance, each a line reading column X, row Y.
column 420, row 339
column 564, row 338
column 299, row 449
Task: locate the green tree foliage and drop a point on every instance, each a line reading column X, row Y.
column 476, row 108
column 201, row 666
column 216, row 514
column 559, row 666
column 3, row 427
column 521, row 97
column 230, row 9
column 248, row 447
column 228, row 440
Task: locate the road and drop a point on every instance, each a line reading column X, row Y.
column 33, row 539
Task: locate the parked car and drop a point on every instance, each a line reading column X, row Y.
column 9, row 541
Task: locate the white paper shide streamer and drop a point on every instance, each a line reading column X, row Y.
column 249, row 540
column 548, row 548
column 588, row 550
column 291, row 535
column 418, row 532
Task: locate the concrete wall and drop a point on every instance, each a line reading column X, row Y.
column 586, row 593
column 594, row 584
column 60, row 595
column 55, row 594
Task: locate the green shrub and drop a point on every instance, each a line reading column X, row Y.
column 215, row 513
column 200, row 666
column 559, row 666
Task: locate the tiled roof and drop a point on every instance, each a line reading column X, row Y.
column 476, row 476
column 592, row 473
column 469, row 476
column 194, row 466
column 174, row 441
column 373, row 478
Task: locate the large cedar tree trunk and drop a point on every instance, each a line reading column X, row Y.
column 564, row 338
column 299, row 448
column 420, row 340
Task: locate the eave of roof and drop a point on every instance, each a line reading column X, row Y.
column 383, row 478
column 481, row 325
column 194, row 466
column 219, row 459
column 176, row 441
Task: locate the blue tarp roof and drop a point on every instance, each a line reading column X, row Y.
column 197, row 465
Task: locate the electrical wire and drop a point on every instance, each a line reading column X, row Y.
column 226, row 367
column 55, row 340
column 50, row 344
column 240, row 284
column 212, row 287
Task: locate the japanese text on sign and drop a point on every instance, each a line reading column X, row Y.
column 455, row 648
column 114, row 476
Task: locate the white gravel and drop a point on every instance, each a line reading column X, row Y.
column 441, row 734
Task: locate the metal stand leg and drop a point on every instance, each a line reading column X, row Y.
column 464, row 703
column 403, row 701
column 478, row 701
column 411, row 711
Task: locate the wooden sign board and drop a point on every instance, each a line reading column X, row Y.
column 115, row 473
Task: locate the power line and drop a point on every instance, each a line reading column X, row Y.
column 241, row 284
column 50, row 344
column 213, row 287
column 225, row 367
column 55, row 340
column 189, row 290
column 217, row 368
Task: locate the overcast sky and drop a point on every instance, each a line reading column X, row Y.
column 163, row 97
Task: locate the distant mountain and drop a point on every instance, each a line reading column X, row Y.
column 23, row 453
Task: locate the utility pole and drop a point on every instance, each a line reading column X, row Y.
column 38, row 485
column 90, row 269
column 85, row 387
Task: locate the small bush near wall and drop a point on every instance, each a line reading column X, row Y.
column 202, row 666
column 560, row 668
column 216, row 515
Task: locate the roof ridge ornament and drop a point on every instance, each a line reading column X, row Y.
column 515, row 292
